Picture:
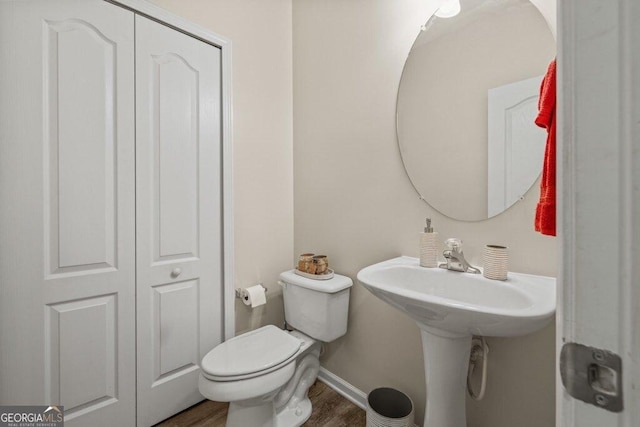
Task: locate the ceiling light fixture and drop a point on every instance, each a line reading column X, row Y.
column 448, row 9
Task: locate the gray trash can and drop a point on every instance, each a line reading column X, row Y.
column 388, row 407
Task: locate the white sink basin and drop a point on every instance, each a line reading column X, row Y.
column 463, row 303
column 449, row 308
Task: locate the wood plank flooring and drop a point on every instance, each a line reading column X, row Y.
column 329, row 410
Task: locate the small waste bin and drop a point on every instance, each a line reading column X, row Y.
column 388, row 407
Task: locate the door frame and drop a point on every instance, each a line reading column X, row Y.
column 178, row 23
column 599, row 197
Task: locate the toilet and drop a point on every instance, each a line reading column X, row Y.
column 264, row 374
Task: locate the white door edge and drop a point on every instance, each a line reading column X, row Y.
column 599, row 180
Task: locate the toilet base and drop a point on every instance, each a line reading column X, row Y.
column 242, row 415
column 296, row 416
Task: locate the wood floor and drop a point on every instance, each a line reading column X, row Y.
column 329, row 410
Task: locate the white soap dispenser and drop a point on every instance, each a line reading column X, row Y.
column 429, row 247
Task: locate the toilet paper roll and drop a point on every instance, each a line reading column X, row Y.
column 254, row 296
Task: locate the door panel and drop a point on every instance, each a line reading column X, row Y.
column 70, row 326
column 67, row 211
column 175, row 104
column 179, row 272
column 79, row 82
column 175, row 328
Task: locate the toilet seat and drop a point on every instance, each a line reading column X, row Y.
column 251, row 354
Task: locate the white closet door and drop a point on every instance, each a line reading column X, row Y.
column 67, row 209
column 179, row 270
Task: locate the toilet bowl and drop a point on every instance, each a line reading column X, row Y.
column 265, row 374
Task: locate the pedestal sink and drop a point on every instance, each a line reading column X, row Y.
column 449, row 308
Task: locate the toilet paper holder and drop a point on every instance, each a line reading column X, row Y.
column 239, row 291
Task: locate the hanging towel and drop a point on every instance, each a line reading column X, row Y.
column 545, row 221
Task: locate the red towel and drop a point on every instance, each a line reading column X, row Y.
column 545, row 221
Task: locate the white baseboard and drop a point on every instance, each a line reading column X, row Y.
column 350, row 392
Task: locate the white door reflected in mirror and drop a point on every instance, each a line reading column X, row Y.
column 515, row 147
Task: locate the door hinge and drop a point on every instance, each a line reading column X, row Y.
column 592, row 375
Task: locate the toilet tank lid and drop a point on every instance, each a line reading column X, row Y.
column 336, row 284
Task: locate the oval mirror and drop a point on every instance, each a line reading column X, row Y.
column 466, row 106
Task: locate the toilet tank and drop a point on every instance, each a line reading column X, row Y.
column 318, row 308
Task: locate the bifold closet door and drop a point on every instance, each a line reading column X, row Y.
column 67, row 209
column 178, row 168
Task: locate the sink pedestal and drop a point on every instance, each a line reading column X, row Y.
column 446, row 362
column 448, row 308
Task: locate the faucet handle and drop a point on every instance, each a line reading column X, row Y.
column 453, row 243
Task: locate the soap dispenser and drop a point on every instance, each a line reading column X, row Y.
column 429, row 246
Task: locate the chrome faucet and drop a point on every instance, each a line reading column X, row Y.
column 455, row 258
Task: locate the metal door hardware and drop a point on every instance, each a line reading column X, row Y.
column 592, row 375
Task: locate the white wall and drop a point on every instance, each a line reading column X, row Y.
column 354, row 203
column 262, row 140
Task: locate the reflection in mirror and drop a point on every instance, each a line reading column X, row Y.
column 466, row 107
